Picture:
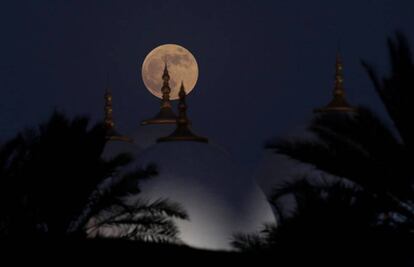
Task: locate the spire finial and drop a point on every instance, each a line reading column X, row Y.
column 339, row 77
column 182, row 89
column 108, row 121
column 182, row 93
column 183, row 132
column 338, row 102
column 166, row 115
column 182, row 106
column 109, row 124
column 166, row 75
column 165, row 89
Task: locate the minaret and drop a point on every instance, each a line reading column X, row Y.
column 183, row 132
column 166, row 115
column 338, row 102
column 109, row 120
column 111, row 133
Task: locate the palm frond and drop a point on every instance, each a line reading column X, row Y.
column 141, row 220
column 248, row 242
column 396, row 90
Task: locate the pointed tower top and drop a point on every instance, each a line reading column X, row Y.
column 183, row 132
column 108, row 121
column 339, row 76
column 166, row 75
column 111, row 133
column 182, row 92
column 338, row 102
column 166, row 115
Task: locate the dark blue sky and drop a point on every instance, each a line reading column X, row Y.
column 264, row 65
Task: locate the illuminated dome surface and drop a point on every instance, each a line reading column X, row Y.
column 219, row 198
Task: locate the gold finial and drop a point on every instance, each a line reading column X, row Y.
column 338, row 102
column 165, row 89
column 339, row 77
column 109, row 121
column 111, row 133
column 166, row 115
column 183, row 132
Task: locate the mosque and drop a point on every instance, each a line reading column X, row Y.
column 220, row 199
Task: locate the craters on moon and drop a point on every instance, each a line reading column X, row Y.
column 182, row 66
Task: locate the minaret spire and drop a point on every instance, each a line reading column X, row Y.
column 166, row 115
column 183, row 132
column 339, row 91
column 109, row 124
column 338, row 102
column 109, row 120
column 166, row 90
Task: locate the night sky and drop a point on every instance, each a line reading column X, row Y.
column 264, row 65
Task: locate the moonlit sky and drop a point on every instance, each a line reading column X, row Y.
column 264, row 65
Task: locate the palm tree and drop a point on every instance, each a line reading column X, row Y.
column 361, row 148
column 334, row 223
column 370, row 201
column 52, row 182
column 327, row 211
column 139, row 220
column 117, row 211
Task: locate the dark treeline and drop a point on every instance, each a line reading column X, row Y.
column 54, row 184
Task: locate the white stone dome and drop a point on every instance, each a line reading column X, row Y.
column 219, row 197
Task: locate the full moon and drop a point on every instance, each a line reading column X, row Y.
column 182, row 66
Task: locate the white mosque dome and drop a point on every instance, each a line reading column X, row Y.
column 217, row 195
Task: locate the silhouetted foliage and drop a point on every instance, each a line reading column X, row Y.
column 361, row 148
column 396, row 90
column 139, row 220
column 54, row 181
column 331, row 220
column 369, row 200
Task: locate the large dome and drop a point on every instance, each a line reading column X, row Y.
column 219, row 198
